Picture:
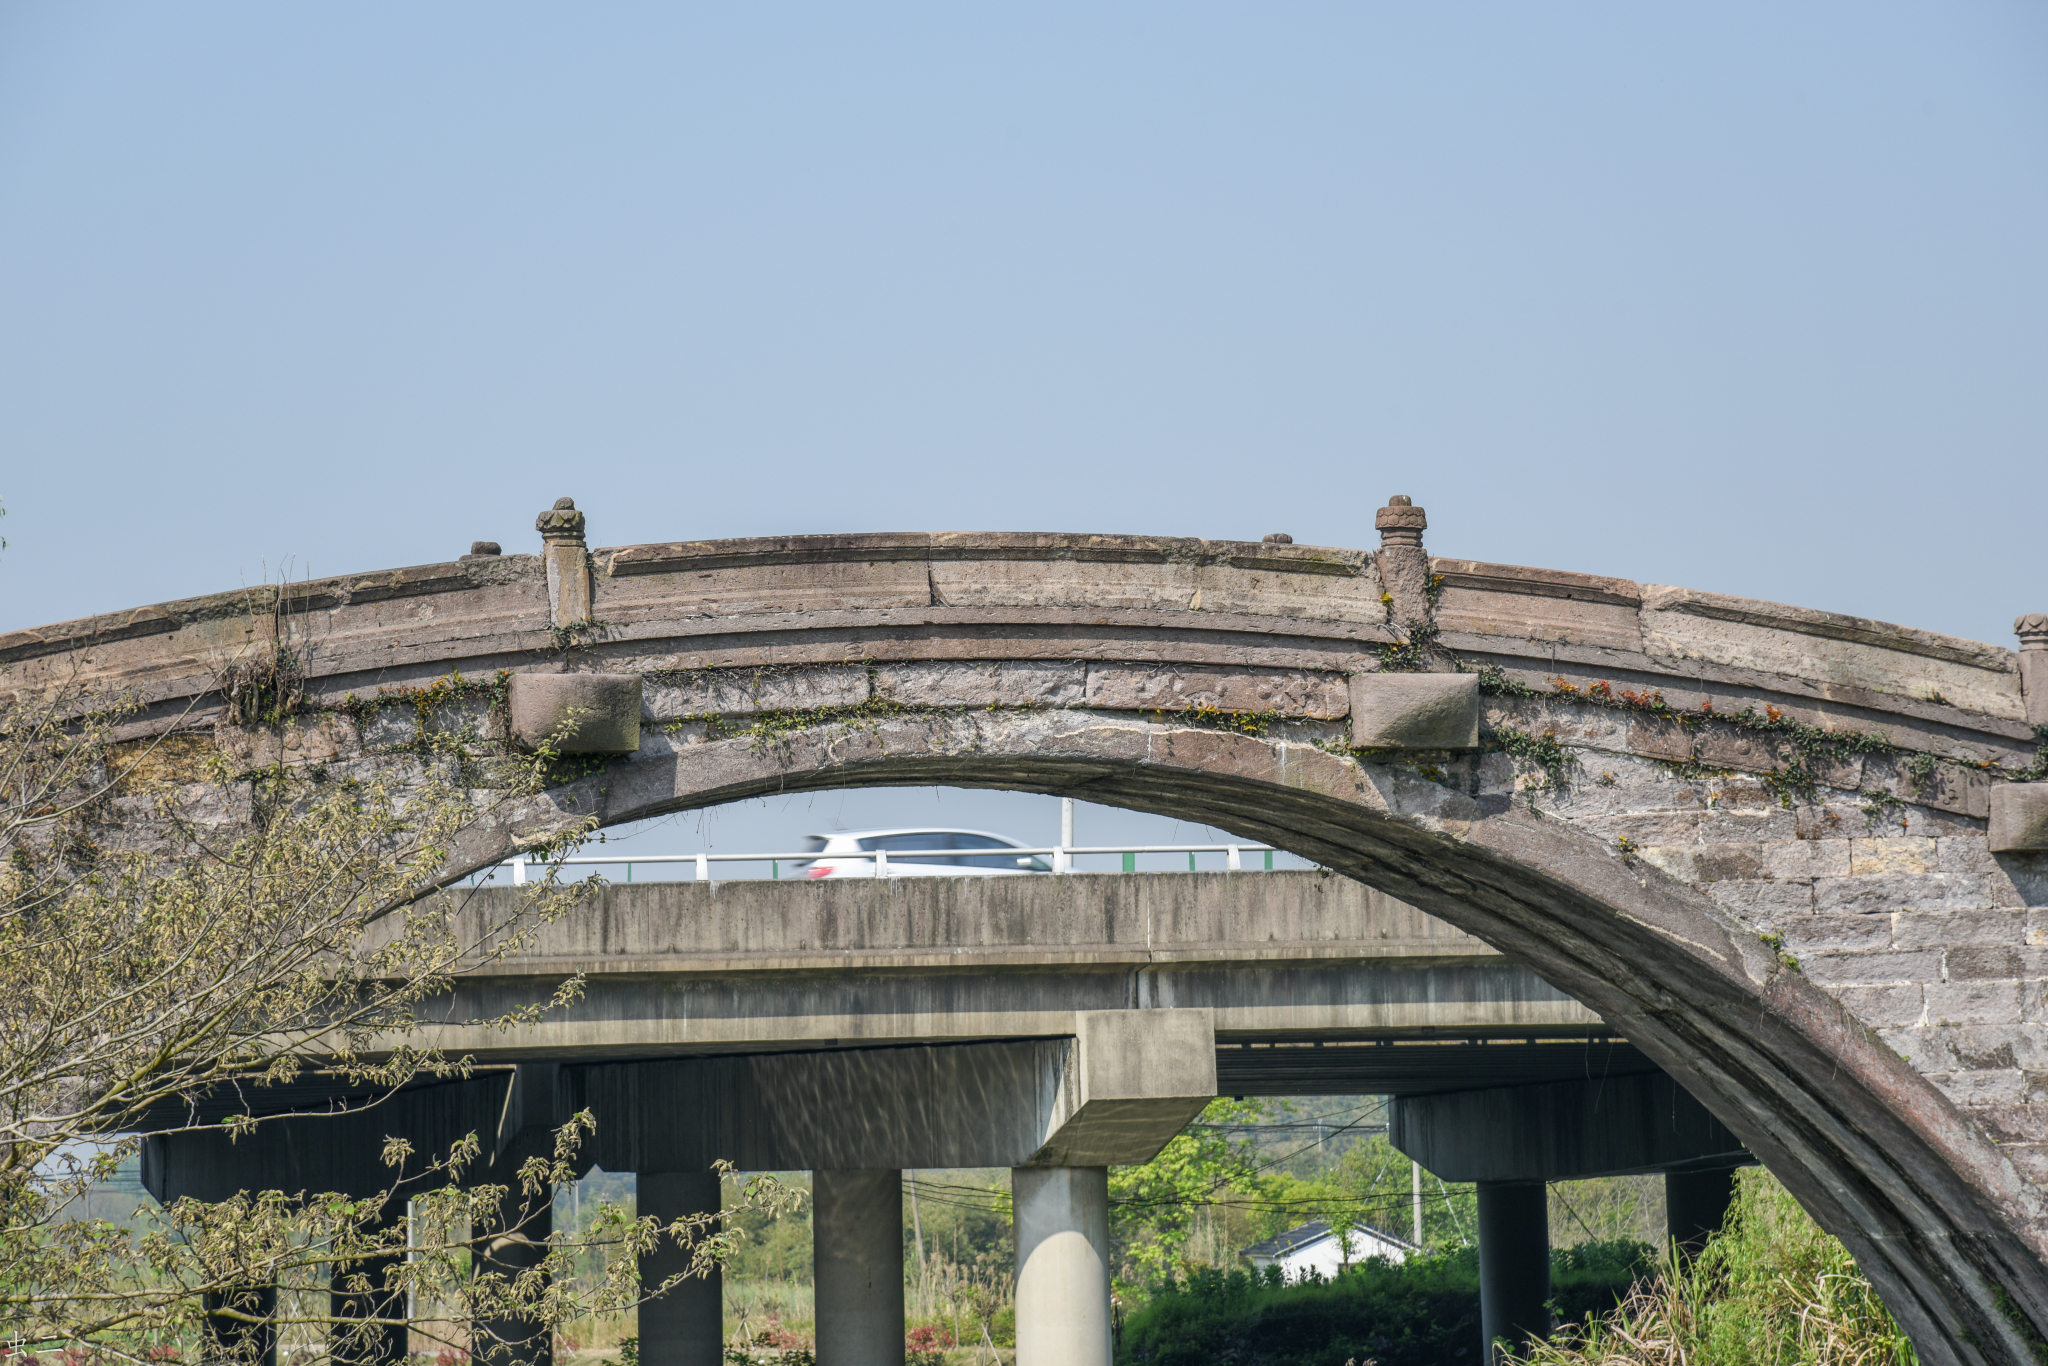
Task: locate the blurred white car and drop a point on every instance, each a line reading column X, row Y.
column 917, row 853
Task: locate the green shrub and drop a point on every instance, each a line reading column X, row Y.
column 1424, row 1312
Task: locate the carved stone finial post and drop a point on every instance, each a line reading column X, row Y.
column 2032, row 629
column 568, row 562
column 1403, row 563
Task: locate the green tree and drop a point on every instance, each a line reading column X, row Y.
column 1156, row 1208
column 170, row 924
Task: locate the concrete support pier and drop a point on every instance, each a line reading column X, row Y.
column 511, row 1341
column 857, row 1250
column 1062, row 1221
column 1696, row 1205
column 1514, row 1261
column 684, row 1326
column 241, row 1327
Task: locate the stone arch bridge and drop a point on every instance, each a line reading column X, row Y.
column 1800, row 860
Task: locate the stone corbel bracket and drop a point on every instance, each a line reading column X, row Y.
column 581, row 713
column 1414, row 711
column 2019, row 818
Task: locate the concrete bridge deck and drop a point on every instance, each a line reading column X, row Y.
column 747, row 966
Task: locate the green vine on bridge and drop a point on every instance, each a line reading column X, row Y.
column 1412, row 653
column 1804, row 753
column 1539, row 752
column 495, row 692
column 1205, row 716
column 577, row 635
column 775, row 731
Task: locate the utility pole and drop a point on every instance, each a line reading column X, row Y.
column 923, row 1267
column 1415, row 1175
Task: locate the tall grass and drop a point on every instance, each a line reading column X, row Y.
column 1770, row 1290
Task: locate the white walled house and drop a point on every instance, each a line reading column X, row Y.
column 1318, row 1247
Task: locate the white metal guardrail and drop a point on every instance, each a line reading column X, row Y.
column 1062, row 856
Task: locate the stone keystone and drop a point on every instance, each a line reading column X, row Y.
column 2019, row 818
column 583, row 713
column 2032, row 629
column 1414, row 711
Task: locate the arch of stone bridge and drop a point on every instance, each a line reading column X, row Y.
column 1889, row 1079
column 1942, row 1222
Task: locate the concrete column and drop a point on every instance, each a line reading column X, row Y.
column 384, row 1345
column 230, row 1338
column 1514, row 1261
column 1062, row 1219
column 1696, row 1205
column 857, row 1256
column 510, row 1341
column 686, row 1325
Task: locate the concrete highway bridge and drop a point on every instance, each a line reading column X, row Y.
column 1053, row 1025
column 1796, row 861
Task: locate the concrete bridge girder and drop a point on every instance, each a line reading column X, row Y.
column 1632, row 857
column 695, row 967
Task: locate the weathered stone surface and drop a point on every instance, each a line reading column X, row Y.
column 1806, row 858
column 1538, row 604
column 1871, row 969
column 2019, row 818
column 1162, row 573
column 1683, row 624
column 1900, row 1004
column 1947, row 787
column 1912, row 929
column 973, row 570
column 1962, row 1003
column 1660, row 737
column 1290, row 692
column 997, row 683
column 1315, row 582
column 1814, row 934
column 316, row 740
column 580, row 713
column 764, row 576
column 1414, row 711
column 747, row 692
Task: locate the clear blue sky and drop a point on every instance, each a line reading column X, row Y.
column 1745, row 296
